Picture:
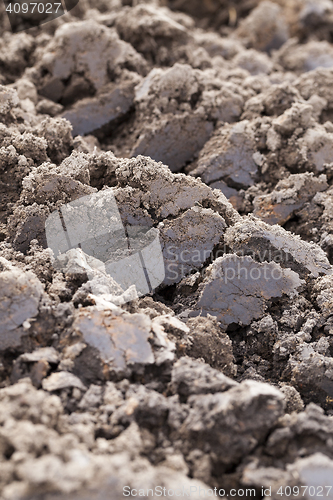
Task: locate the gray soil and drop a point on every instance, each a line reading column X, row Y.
column 208, row 123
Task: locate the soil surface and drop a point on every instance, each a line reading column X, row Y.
column 166, row 251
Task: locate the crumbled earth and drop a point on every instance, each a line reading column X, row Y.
column 166, row 251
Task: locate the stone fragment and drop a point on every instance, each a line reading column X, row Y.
column 228, row 155
column 298, row 115
column 20, row 294
column 145, row 26
column 317, row 82
column 15, row 50
column 315, row 13
column 305, row 57
column 57, row 134
column 188, row 242
column 279, row 98
column 171, row 325
column 35, row 365
column 62, row 380
column 76, row 49
column 50, row 354
column 232, row 423
column 325, row 199
column 260, row 338
column 209, row 342
column 49, row 184
column 92, row 398
column 149, row 408
column 324, row 291
column 92, row 113
column 176, row 109
column 30, row 146
column 174, row 140
column 264, row 28
column 162, row 192
column 217, row 45
column 168, row 332
column 160, row 87
column 293, row 399
column 311, row 429
column 318, row 105
column 26, row 89
column 194, row 377
column 312, row 373
column 230, row 193
column 289, row 195
column 26, row 224
column 273, row 101
column 48, row 107
column 267, row 243
column 237, row 289
column 319, row 147
column 223, row 105
column 254, row 62
column 121, row 342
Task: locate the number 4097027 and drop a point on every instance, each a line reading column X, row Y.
column 31, row 7
column 309, row 491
